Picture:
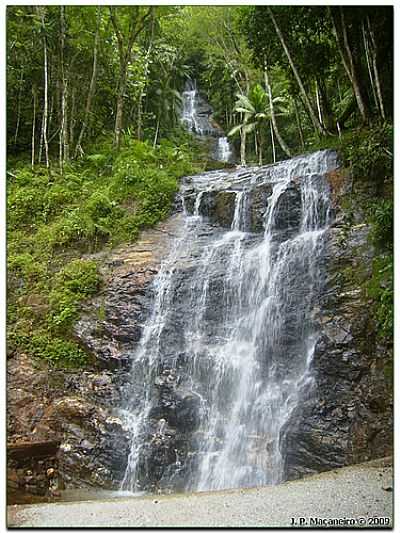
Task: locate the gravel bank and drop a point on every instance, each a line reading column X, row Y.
column 356, row 492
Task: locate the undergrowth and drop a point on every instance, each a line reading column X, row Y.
column 56, row 221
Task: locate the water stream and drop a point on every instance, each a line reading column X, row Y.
column 225, row 356
column 196, row 118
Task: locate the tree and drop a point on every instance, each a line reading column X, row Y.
column 44, row 137
column 316, row 122
column 126, row 33
column 272, row 103
column 350, row 57
column 253, row 110
column 92, row 87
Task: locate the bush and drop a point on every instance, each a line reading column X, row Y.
column 106, row 197
column 369, row 152
column 80, row 277
column 381, row 218
column 75, row 282
column 56, row 350
column 380, row 288
column 27, row 266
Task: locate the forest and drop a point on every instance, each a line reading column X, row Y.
column 96, row 147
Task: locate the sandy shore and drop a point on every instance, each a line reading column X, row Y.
column 360, row 495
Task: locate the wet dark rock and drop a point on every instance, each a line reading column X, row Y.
column 187, row 413
column 219, row 207
column 349, row 417
column 258, row 203
column 288, row 213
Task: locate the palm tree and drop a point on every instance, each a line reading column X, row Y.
column 277, row 106
column 253, row 110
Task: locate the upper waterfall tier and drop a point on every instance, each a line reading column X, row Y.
column 197, row 118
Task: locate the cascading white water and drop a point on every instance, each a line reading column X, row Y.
column 225, row 356
column 224, row 151
column 196, row 119
column 189, row 109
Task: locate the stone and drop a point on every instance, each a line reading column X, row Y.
column 219, row 207
column 73, row 408
column 258, row 206
column 352, row 408
column 288, row 213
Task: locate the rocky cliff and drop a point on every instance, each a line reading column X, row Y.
column 346, row 418
column 65, row 420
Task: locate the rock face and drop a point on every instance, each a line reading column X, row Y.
column 69, row 415
column 348, row 416
column 77, row 409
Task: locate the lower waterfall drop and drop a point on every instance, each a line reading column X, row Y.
column 224, row 150
column 225, row 355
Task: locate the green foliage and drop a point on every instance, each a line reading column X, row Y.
column 72, row 284
column 54, row 219
column 382, row 224
column 27, row 266
column 369, row 152
column 55, row 350
column 380, row 288
column 79, row 277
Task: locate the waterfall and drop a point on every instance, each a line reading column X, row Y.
column 195, row 117
column 224, row 150
column 225, row 356
column 189, row 109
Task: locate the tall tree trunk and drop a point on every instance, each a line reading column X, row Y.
column 136, row 26
column 41, row 139
column 139, row 117
column 367, row 57
column 260, row 157
column 242, row 147
column 375, row 68
column 142, row 90
column 33, row 125
column 300, row 129
column 314, row 119
column 46, row 81
column 72, row 117
column 66, row 118
column 157, row 130
column 272, row 142
column 326, row 108
column 349, row 63
column 52, row 98
column 318, row 103
column 92, row 87
column 120, row 106
column 19, row 106
column 280, row 140
column 62, row 91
